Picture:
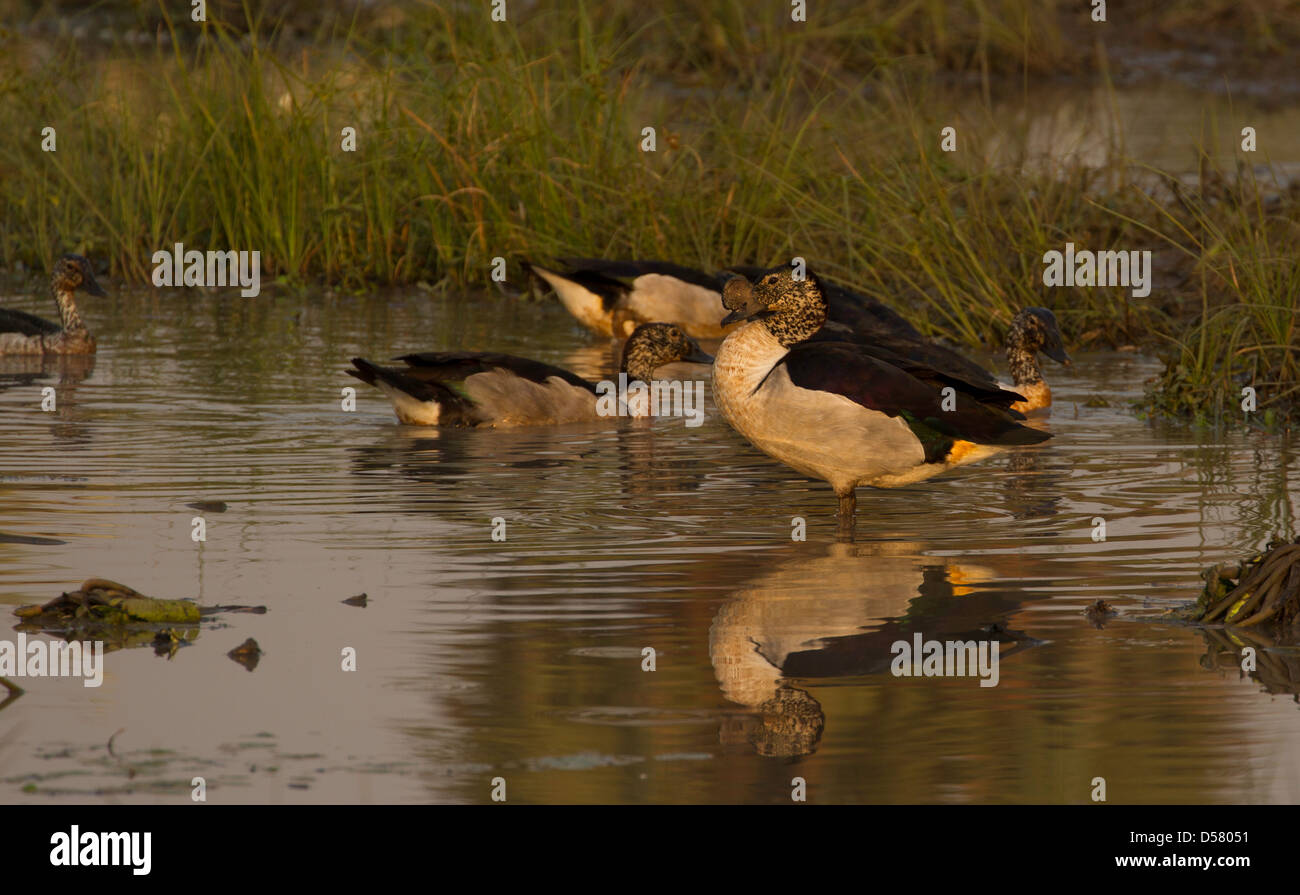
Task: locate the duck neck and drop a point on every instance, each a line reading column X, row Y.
column 68, row 315
column 1023, row 364
column 794, row 326
column 639, row 368
column 743, row 361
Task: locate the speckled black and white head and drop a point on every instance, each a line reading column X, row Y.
column 654, row 344
column 791, row 309
column 1033, row 330
column 72, row 272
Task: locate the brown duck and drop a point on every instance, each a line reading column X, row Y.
column 504, row 390
column 26, row 334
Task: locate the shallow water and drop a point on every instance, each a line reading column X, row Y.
column 1159, row 125
column 523, row 660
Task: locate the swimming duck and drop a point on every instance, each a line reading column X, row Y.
column 842, row 412
column 23, row 333
column 1033, row 330
column 613, row 297
column 504, row 390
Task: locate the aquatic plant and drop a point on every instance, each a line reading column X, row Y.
column 1265, row 589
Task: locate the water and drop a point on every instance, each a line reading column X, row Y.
column 1160, row 125
column 479, row 659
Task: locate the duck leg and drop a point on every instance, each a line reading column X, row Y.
column 847, row 514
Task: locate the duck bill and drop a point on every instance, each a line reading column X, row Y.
column 747, row 311
column 738, row 298
column 1057, row 353
column 91, row 287
column 698, row 356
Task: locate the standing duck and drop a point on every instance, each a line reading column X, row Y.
column 841, row 412
column 26, row 334
column 504, row 390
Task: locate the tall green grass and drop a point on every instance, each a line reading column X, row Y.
column 475, row 140
column 1245, row 252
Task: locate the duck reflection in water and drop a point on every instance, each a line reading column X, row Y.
column 62, row 374
column 835, row 615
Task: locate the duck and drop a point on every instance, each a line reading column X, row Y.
column 505, row 390
column 1033, row 330
column 842, row 412
column 27, row 334
column 612, row 297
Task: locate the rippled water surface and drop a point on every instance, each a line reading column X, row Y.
column 523, row 659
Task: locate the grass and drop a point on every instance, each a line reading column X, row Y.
column 477, row 140
column 1244, row 251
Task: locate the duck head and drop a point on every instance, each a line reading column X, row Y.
column 791, row 308
column 72, row 272
column 1034, row 330
column 654, row 344
column 738, row 298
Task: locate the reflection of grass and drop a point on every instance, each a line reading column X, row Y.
column 477, row 140
column 1276, row 669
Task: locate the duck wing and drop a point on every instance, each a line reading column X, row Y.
column 925, row 360
column 630, row 270
column 453, row 366
column 15, row 321
column 606, row 287
column 455, row 408
column 914, row 394
column 863, row 314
